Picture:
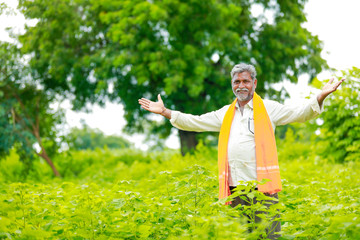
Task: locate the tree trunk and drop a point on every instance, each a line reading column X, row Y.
column 188, row 141
column 44, row 155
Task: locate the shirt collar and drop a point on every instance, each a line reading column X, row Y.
column 249, row 104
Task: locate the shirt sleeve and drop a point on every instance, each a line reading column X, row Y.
column 208, row 122
column 281, row 114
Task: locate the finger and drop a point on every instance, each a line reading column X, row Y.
column 145, row 102
column 145, row 107
column 159, row 98
column 338, row 83
column 331, row 80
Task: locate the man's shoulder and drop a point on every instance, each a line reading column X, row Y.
column 222, row 110
column 220, row 113
column 270, row 103
column 225, row 107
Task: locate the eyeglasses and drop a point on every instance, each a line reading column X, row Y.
column 251, row 122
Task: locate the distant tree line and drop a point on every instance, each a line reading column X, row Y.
column 88, row 138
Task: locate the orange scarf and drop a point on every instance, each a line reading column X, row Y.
column 265, row 149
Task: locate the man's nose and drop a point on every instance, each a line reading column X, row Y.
column 241, row 85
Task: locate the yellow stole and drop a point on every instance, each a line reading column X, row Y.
column 265, row 149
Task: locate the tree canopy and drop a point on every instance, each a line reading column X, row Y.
column 124, row 50
column 26, row 119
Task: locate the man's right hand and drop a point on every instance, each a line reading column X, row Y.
column 155, row 107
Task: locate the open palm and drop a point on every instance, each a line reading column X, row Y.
column 331, row 86
column 155, row 107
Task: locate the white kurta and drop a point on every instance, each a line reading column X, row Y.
column 241, row 146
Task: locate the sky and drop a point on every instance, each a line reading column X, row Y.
column 335, row 22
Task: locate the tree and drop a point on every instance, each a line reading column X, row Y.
column 25, row 116
column 339, row 138
column 124, row 50
column 88, row 138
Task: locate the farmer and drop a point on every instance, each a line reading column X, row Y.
column 247, row 148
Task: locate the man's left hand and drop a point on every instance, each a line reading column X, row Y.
column 329, row 87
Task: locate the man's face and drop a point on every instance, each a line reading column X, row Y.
column 243, row 86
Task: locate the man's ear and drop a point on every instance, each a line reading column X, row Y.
column 255, row 83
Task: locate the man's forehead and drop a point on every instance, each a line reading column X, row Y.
column 243, row 75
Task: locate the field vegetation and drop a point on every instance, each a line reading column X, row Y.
column 128, row 194
column 85, row 185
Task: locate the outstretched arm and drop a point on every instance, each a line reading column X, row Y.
column 208, row 122
column 155, row 107
column 282, row 114
column 329, row 87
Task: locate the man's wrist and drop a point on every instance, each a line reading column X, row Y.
column 320, row 98
column 163, row 110
column 166, row 113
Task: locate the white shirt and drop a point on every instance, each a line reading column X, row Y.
column 241, row 146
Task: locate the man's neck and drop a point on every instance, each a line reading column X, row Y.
column 242, row 105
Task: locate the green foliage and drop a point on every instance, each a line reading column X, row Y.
column 179, row 202
column 334, row 135
column 298, row 141
column 167, row 196
column 12, row 168
column 87, row 138
column 260, row 206
column 4, row 9
column 320, row 199
column 102, row 164
column 26, row 118
column 125, row 50
column 339, row 138
column 3, row 6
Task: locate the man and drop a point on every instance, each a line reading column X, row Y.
column 247, row 149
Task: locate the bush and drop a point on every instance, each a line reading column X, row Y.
column 11, row 168
column 340, row 132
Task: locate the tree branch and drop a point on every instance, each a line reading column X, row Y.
column 21, row 104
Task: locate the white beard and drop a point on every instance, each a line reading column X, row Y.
column 241, row 96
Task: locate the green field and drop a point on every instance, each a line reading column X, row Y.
column 58, row 181
column 125, row 194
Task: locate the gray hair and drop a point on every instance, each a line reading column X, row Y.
column 243, row 67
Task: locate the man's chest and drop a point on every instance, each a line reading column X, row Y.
column 243, row 124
